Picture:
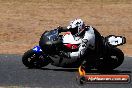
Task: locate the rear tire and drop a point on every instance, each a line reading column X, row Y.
column 115, row 59
column 32, row 59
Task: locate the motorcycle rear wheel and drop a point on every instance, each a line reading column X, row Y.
column 114, row 60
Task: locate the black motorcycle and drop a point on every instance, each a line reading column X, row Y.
column 51, row 47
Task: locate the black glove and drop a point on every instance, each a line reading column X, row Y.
column 62, row 29
column 59, row 28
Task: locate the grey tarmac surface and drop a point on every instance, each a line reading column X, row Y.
column 14, row 74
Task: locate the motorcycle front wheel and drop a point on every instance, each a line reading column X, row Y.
column 32, row 59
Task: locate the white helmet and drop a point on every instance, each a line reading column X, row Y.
column 76, row 26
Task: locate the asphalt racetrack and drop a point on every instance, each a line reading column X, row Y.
column 14, row 74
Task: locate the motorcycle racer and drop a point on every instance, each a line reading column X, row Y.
column 81, row 45
column 84, row 36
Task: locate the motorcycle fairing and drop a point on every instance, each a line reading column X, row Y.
column 69, row 39
column 116, row 40
column 71, row 46
column 37, row 49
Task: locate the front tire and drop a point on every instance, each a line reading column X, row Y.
column 33, row 59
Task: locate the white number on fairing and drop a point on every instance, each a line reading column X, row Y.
column 115, row 40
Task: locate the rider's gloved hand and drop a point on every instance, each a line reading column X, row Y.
column 59, row 28
column 62, row 29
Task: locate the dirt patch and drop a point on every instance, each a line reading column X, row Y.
column 23, row 21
